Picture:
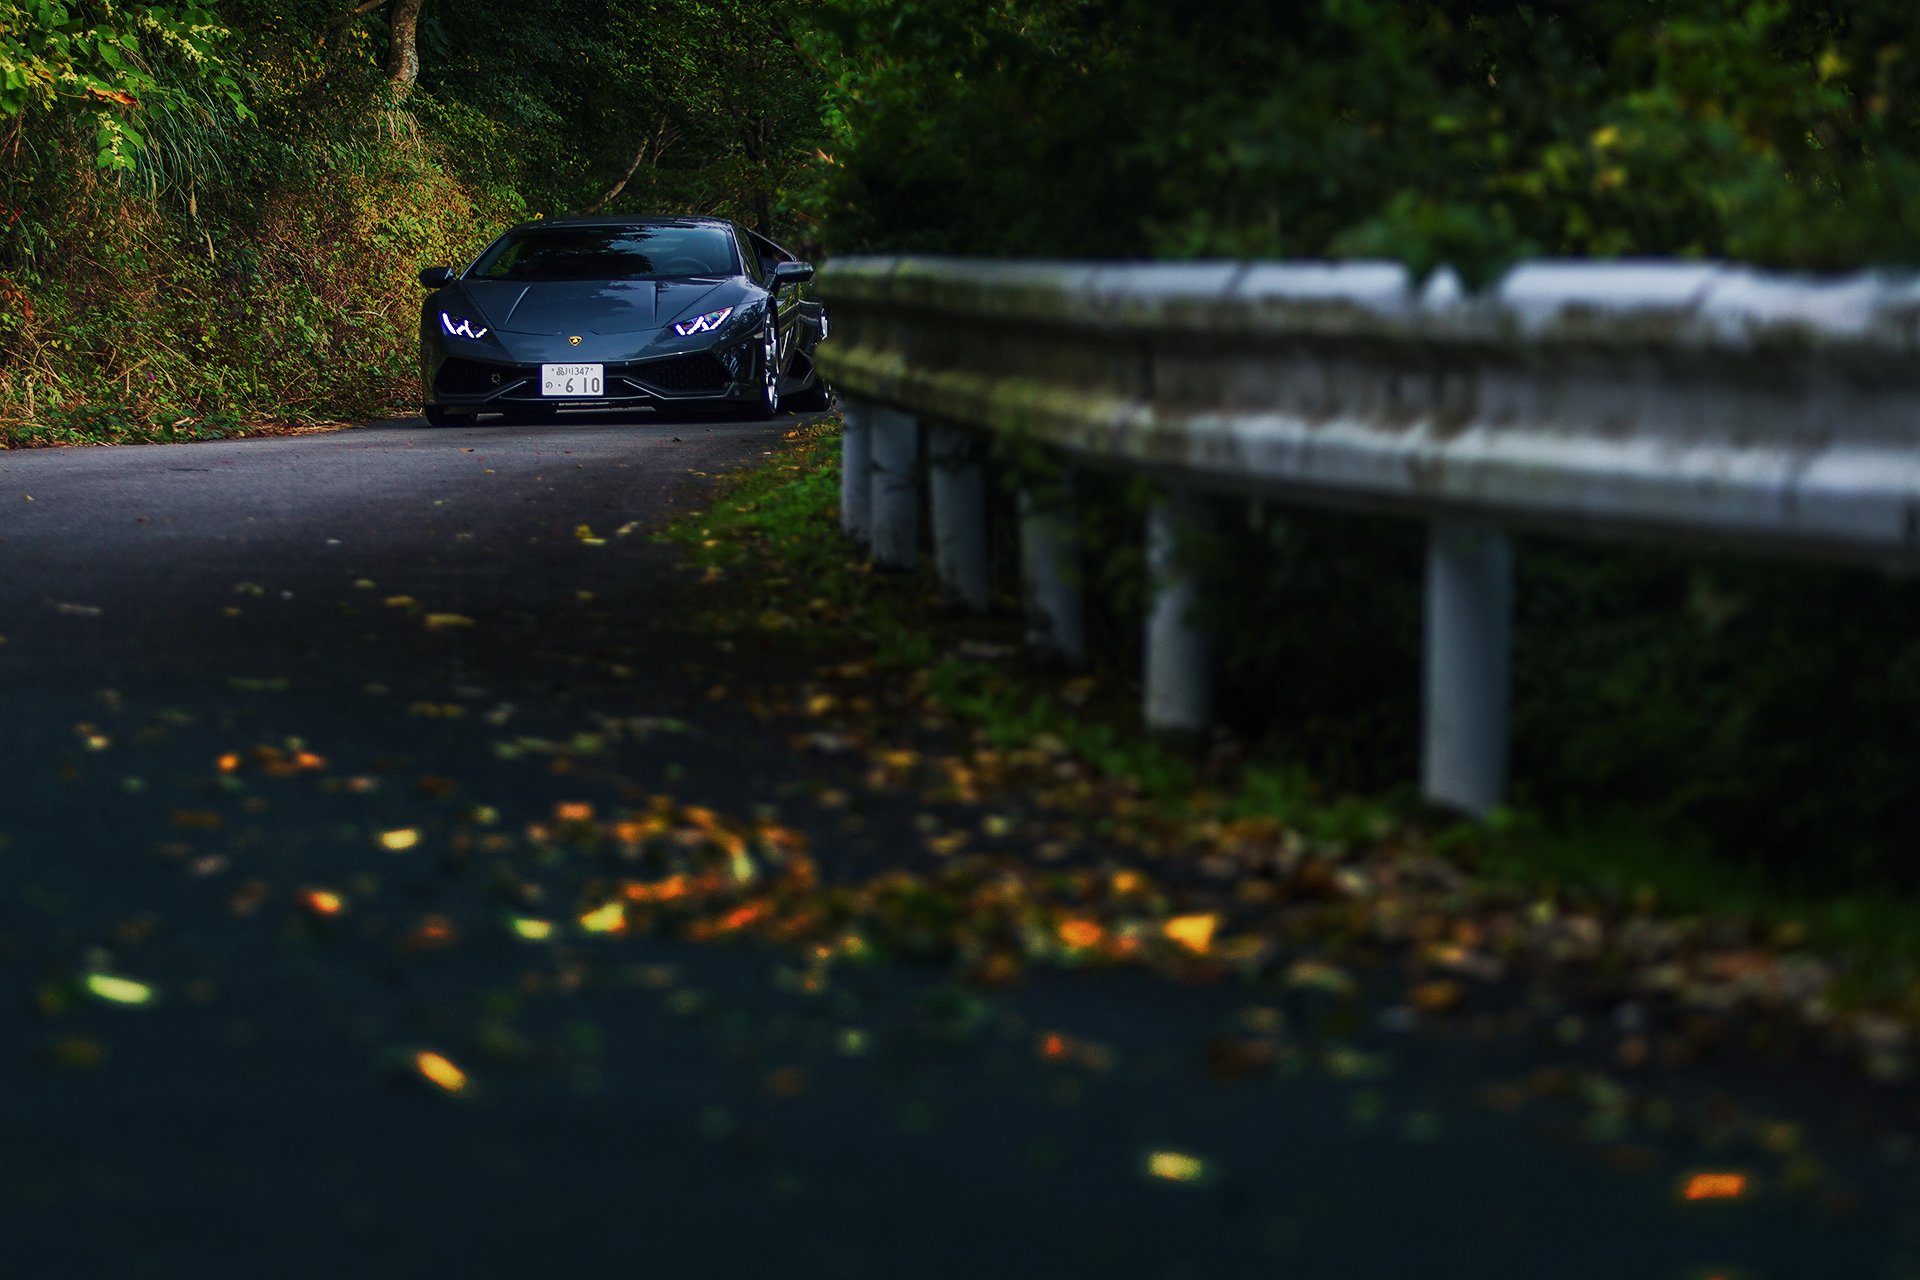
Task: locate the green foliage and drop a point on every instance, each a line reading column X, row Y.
column 704, row 101
column 214, row 214
column 120, row 66
column 1464, row 131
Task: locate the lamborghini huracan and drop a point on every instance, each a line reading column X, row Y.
column 622, row 313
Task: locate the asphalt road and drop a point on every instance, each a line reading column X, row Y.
column 663, row 1108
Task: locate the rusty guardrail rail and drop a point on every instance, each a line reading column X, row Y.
column 1693, row 402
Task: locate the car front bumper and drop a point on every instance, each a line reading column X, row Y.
column 467, row 382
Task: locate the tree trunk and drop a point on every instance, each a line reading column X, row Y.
column 649, row 153
column 403, row 49
column 755, row 144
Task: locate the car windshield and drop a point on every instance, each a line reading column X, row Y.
column 608, row 253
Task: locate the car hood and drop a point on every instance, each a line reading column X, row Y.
column 594, row 306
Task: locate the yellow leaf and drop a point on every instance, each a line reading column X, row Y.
column 1175, row 1166
column 1195, row 933
column 612, row 918
column 440, row 1071
column 435, row 621
column 404, row 838
column 119, row 990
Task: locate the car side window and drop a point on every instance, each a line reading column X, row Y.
column 750, row 257
column 769, row 252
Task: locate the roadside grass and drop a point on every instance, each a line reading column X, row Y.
column 779, row 524
column 106, row 430
column 102, row 425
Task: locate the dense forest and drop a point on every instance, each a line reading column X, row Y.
column 211, row 216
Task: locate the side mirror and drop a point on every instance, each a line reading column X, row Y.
column 436, row 277
column 792, row 273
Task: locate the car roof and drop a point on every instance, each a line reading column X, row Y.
column 629, row 220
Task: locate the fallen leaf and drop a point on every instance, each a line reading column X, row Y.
column 1437, row 996
column 440, row 1071
column 117, row 990
column 1194, row 932
column 322, row 902
column 1714, row 1186
column 1175, row 1166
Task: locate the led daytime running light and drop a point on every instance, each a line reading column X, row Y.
column 703, row 324
column 464, row 329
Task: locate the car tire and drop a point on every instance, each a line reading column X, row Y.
column 817, row 397
column 768, row 405
column 438, row 415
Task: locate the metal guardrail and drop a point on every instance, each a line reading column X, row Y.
column 1689, row 402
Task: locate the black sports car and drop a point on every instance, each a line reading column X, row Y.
column 620, row 313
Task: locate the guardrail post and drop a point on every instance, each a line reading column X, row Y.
column 1469, row 648
column 895, row 517
column 1050, row 575
column 856, row 470
column 958, row 485
column 1179, row 686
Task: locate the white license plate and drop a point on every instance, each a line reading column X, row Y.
column 572, row 380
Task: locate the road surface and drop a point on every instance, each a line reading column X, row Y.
column 360, row 664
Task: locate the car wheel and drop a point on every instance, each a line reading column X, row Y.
column 438, row 415
column 817, row 397
column 768, row 405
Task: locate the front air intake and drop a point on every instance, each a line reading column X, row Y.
column 459, row 377
column 681, row 373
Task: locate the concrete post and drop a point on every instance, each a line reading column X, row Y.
column 856, row 470
column 958, row 483
column 1050, row 578
column 896, row 488
column 1179, row 685
column 1469, row 647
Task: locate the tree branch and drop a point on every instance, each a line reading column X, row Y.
column 651, row 149
column 350, row 17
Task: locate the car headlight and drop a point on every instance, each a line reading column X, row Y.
column 460, row 327
column 703, row 324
